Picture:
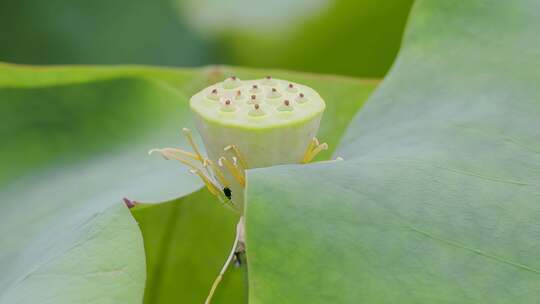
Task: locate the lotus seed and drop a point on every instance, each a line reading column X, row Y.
column 268, row 81
column 291, row 88
column 253, row 100
column 228, row 106
column 257, row 111
column 285, row 106
column 213, row 95
column 273, row 94
column 301, row 98
column 255, row 89
column 231, row 82
column 239, row 95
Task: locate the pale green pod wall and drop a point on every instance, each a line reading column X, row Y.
column 260, row 147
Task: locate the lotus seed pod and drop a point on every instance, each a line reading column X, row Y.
column 274, row 124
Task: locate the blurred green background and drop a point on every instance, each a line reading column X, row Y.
column 349, row 37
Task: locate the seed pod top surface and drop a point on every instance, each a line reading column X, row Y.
column 257, row 104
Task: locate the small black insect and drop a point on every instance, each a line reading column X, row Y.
column 238, row 258
column 227, row 192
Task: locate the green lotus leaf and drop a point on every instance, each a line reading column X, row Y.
column 437, row 198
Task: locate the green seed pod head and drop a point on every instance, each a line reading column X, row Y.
column 270, row 121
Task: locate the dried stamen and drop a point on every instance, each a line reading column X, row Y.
column 234, row 170
column 168, row 154
column 211, row 187
column 176, row 150
column 313, row 149
column 189, row 137
column 318, row 149
column 207, row 178
column 239, row 155
column 217, row 172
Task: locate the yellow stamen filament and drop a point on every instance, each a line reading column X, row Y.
column 318, row 149
column 179, row 151
column 312, row 144
column 168, row 153
column 239, row 155
column 218, row 173
column 211, row 187
column 235, row 171
column 313, row 149
column 189, row 137
column 215, row 189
